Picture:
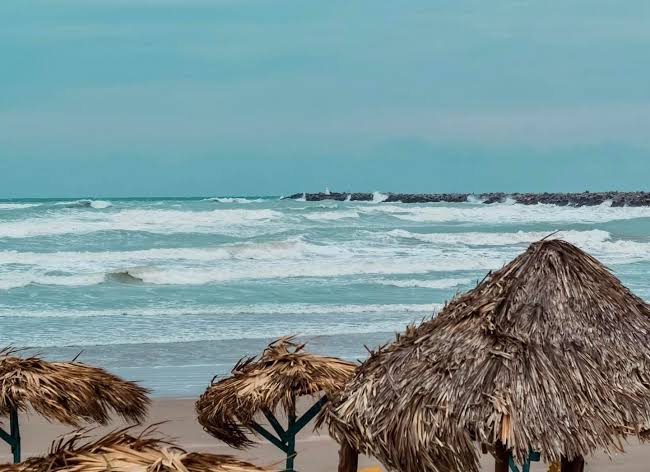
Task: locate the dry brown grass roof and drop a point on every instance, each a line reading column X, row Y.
column 282, row 373
column 551, row 353
column 69, row 392
column 121, row 452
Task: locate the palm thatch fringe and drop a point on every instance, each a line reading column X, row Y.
column 69, row 392
column 119, row 451
column 281, row 374
column 550, row 353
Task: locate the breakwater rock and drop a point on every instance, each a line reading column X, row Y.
column 617, row 199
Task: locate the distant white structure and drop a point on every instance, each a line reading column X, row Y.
column 327, row 190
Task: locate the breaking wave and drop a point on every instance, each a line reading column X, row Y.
column 378, row 197
column 234, row 200
column 13, row 281
column 507, row 213
column 503, row 239
column 224, row 221
column 18, row 206
column 96, row 204
column 252, row 309
column 273, row 250
column 433, row 284
column 331, row 215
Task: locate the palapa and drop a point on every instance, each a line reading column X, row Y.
column 550, row 354
column 120, row 451
column 260, row 386
column 68, row 392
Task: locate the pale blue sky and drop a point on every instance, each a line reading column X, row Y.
column 207, row 97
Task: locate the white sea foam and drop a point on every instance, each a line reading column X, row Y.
column 234, row 200
column 434, row 284
column 100, row 204
column 513, row 213
column 224, row 221
column 96, row 204
column 503, row 239
column 294, row 248
column 292, row 258
column 320, row 268
column 506, row 213
column 252, row 309
column 378, row 197
column 19, row 280
column 172, row 325
column 331, row 215
column 473, row 199
column 298, row 259
column 18, row 206
column 595, row 241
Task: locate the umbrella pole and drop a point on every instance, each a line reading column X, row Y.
column 501, row 458
column 291, row 436
column 15, row 434
column 286, row 440
column 575, row 465
column 348, row 458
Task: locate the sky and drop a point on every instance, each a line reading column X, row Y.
column 270, row 97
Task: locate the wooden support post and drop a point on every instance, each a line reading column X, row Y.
column 575, row 465
column 15, row 434
column 501, row 458
column 348, row 458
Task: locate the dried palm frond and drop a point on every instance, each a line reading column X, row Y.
column 121, row 452
column 550, row 353
column 69, row 392
column 282, row 373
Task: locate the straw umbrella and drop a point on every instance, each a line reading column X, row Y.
column 68, row 392
column 121, row 452
column 549, row 355
column 229, row 408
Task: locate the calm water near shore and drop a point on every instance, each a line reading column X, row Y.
column 172, row 292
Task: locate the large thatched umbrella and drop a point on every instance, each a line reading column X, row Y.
column 259, row 386
column 550, row 355
column 69, row 392
column 119, row 451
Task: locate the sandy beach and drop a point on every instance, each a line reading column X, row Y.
column 317, row 452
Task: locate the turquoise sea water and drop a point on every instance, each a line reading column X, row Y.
column 174, row 291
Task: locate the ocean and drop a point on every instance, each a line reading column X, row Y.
column 172, row 292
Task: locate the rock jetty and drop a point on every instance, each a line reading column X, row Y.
column 617, row 199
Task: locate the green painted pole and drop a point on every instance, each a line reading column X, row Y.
column 291, row 437
column 285, row 440
column 15, row 434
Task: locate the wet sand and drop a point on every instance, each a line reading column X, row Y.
column 317, row 452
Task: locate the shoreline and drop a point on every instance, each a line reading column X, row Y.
column 617, row 199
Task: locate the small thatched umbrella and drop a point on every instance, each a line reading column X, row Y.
column 550, row 355
column 121, row 452
column 69, row 392
column 257, row 386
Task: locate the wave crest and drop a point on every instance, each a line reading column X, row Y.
column 502, row 239
column 18, row 206
column 84, row 203
column 233, row 200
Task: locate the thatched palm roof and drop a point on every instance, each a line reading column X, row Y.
column 69, row 392
column 282, row 373
column 121, row 452
column 551, row 353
